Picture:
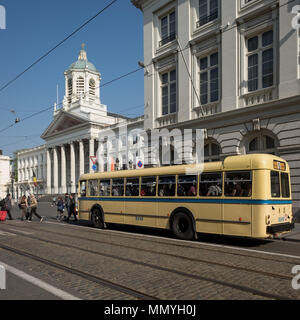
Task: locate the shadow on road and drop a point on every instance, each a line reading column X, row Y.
column 208, row 238
column 49, row 212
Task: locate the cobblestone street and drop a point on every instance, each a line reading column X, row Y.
column 120, row 263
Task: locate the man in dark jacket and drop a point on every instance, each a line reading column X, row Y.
column 8, row 206
column 71, row 208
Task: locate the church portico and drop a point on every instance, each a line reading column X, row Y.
column 65, row 164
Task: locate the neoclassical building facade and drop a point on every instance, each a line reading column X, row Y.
column 5, row 174
column 72, row 138
column 228, row 67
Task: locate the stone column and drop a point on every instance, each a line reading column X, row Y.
column 81, row 158
column 100, row 156
column 48, row 171
column 63, row 170
column 92, row 154
column 55, row 171
column 72, row 167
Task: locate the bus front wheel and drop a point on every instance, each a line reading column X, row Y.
column 182, row 226
column 97, row 219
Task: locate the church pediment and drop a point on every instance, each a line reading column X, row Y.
column 63, row 123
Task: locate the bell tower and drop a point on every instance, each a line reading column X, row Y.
column 82, row 87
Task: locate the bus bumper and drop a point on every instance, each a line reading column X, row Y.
column 280, row 228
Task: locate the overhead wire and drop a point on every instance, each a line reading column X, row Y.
column 116, row 79
column 56, row 46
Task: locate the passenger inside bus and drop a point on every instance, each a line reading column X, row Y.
column 148, row 187
column 214, row 191
column 238, row 184
column 237, row 189
column 211, row 185
column 115, row 191
column 193, row 190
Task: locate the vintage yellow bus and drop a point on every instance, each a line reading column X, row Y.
column 247, row 196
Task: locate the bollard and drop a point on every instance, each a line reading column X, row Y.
column 2, row 278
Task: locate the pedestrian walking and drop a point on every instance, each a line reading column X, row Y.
column 23, row 205
column 53, row 202
column 33, row 209
column 28, row 207
column 8, row 206
column 72, row 209
column 60, row 209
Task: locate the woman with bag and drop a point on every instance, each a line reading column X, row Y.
column 23, row 205
column 60, row 209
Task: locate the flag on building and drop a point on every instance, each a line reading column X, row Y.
column 34, row 179
column 112, row 165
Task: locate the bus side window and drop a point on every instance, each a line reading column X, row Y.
column 211, row 185
column 238, row 184
column 83, row 188
column 275, row 184
column 285, row 185
column 187, row 186
column 105, row 188
column 117, row 188
column 93, row 188
column 132, row 187
column 167, row 186
column 148, row 187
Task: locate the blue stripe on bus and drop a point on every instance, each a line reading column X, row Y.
column 176, row 200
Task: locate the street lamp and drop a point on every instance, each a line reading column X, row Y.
column 117, row 164
column 142, row 65
column 70, row 183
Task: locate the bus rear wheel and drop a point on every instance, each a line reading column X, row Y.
column 97, row 219
column 182, row 226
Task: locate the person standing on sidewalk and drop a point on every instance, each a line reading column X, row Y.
column 8, row 206
column 33, row 207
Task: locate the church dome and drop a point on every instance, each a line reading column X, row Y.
column 82, row 62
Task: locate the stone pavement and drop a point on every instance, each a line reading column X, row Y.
column 49, row 212
column 294, row 235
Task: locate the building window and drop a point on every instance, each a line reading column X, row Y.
column 92, row 88
column 169, row 92
column 209, row 78
column 208, row 11
column 168, row 28
column 80, row 86
column 260, row 61
column 70, row 89
column 212, row 152
column 262, row 144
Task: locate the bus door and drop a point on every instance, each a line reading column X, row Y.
column 140, row 204
column 209, row 213
column 114, row 209
column 237, row 204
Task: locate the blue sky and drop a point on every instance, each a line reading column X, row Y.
column 114, row 43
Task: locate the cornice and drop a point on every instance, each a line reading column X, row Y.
column 275, row 108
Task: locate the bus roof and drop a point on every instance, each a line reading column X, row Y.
column 240, row 162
